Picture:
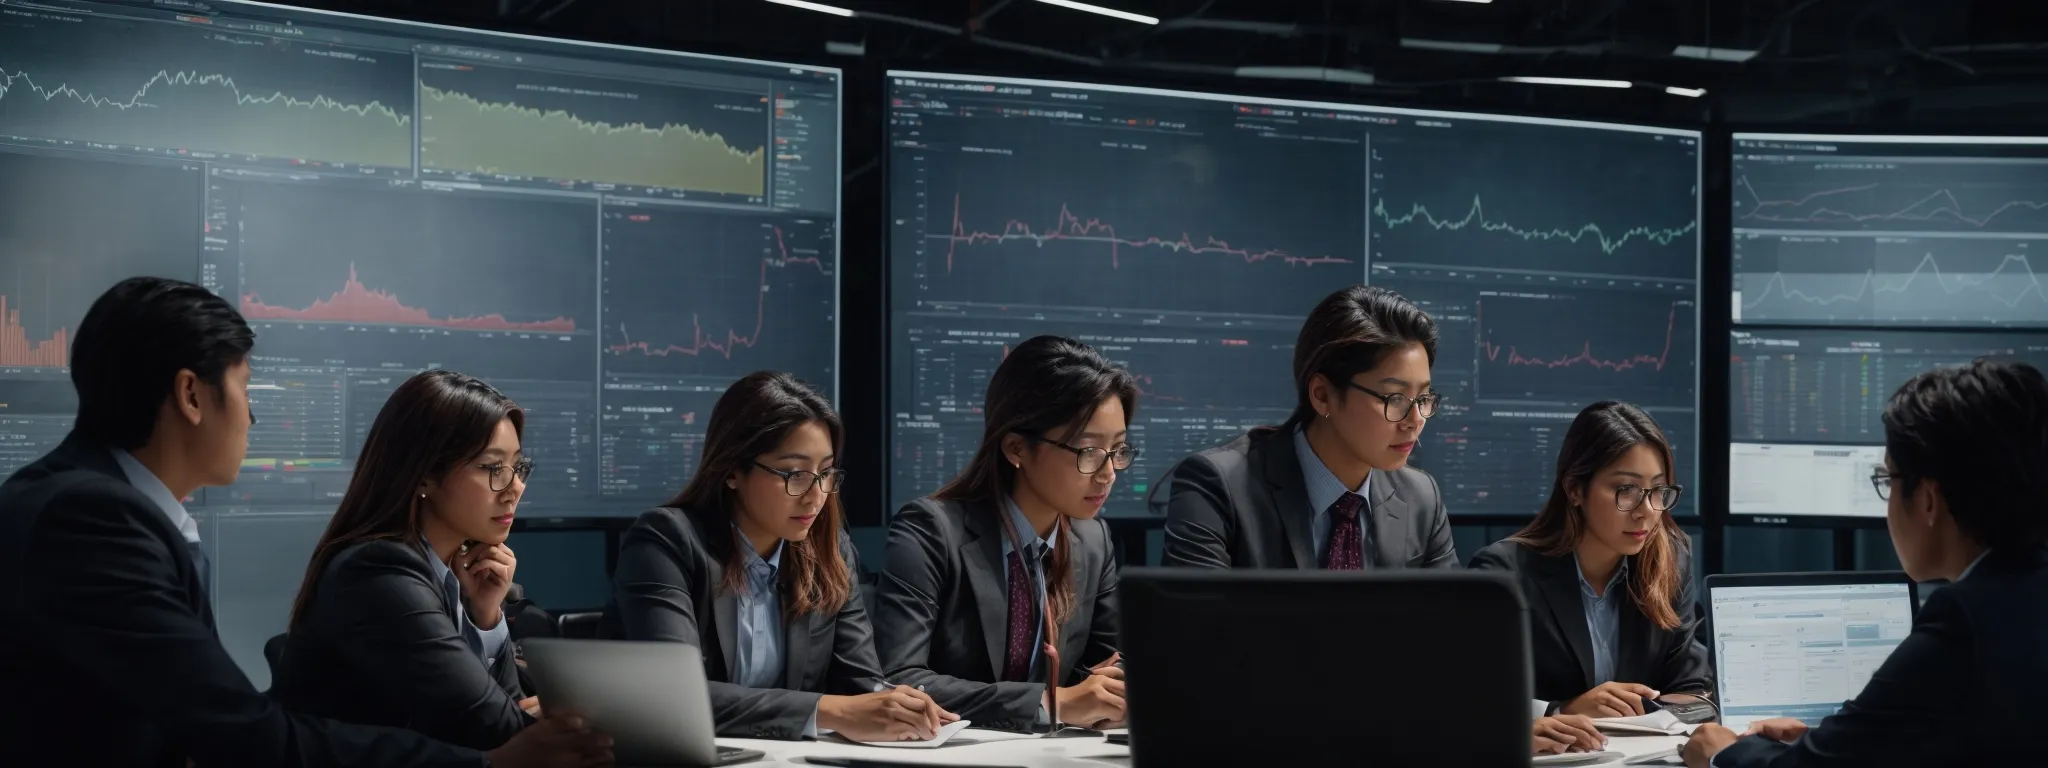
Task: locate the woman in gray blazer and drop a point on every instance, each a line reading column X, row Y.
column 999, row 592
column 750, row 564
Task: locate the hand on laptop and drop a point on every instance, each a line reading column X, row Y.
column 901, row 713
column 1097, row 699
column 1610, row 700
column 1783, row 729
column 1566, row 733
column 562, row 741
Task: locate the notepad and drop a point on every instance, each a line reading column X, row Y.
column 945, row 732
column 1660, row 722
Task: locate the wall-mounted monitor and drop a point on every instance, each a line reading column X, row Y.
column 1187, row 235
column 1860, row 261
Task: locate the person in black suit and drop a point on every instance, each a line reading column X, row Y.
column 750, row 563
column 1000, row 588
column 1964, row 478
column 400, row 620
column 1608, row 573
column 1330, row 487
column 109, row 647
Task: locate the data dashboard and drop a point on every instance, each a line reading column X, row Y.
column 1858, row 262
column 1187, row 235
column 609, row 235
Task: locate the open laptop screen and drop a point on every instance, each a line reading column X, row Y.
column 1800, row 650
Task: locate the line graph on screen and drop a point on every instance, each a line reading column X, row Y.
column 1558, row 351
column 358, row 303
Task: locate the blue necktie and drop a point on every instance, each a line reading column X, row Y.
column 202, row 564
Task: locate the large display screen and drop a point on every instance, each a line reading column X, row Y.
column 1187, row 235
column 610, row 235
column 1860, row 261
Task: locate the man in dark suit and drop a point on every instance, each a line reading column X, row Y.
column 1330, row 488
column 1965, row 476
column 108, row 645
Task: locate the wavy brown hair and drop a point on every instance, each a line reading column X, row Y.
column 1597, row 438
column 435, row 422
column 1047, row 387
column 753, row 417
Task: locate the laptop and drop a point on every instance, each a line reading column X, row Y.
column 1800, row 644
column 1243, row 667
column 651, row 698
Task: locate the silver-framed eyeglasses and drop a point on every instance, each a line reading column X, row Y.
column 501, row 479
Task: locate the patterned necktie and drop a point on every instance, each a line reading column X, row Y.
column 202, row 564
column 1017, row 660
column 1346, row 551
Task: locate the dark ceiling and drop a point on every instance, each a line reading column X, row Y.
column 1913, row 62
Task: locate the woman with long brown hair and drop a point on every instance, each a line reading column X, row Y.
column 750, row 563
column 399, row 620
column 978, row 572
column 1608, row 573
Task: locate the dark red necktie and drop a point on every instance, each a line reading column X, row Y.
column 1017, row 660
column 1346, row 552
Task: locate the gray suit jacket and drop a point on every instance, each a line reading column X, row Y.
column 1244, row 504
column 943, row 613
column 666, row 588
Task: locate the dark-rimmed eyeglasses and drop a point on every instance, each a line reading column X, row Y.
column 1090, row 460
column 797, row 482
column 1398, row 405
column 501, row 479
column 1881, row 481
column 1662, row 498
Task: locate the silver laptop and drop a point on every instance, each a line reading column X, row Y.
column 1799, row 644
column 651, row 698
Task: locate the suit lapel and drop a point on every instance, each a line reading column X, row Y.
column 980, row 556
column 1384, row 511
column 1290, row 496
column 796, row 647
column 727, row 608
column 1561, row 592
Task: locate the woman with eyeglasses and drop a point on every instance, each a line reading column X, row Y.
column 1330, row 488
column 750, row 563
column 399, row 621
column 1608, row 573
column 999, row 595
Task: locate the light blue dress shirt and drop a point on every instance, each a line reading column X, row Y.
column 758, row 660
column 1324, row 489
column 146, row 481
column 486, row 643
column 1603, row 619
column 1035, row 550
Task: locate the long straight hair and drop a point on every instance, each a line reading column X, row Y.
column 1047, row 387
column 753, row 417
column 435, row 422
column 1597, row 438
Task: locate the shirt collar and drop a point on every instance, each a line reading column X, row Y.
column 772, row 562
column 1973, row 566
column 441, row 569
column 159, row 494
column 1324, row 489
column 1620, row 574
column 1023, row 527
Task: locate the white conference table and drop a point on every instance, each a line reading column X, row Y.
column 998, row 748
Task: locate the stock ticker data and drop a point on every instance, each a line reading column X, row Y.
column 1859, row 262
column 608, row 235
column 1187, row 235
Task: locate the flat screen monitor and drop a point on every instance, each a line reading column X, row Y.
column 1187, row 236
column 1860, row 261
column 1798, row 645
column 609, row 235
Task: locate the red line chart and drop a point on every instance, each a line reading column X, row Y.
column 732, row 340
column 1585, row 356
column 1071, row 227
